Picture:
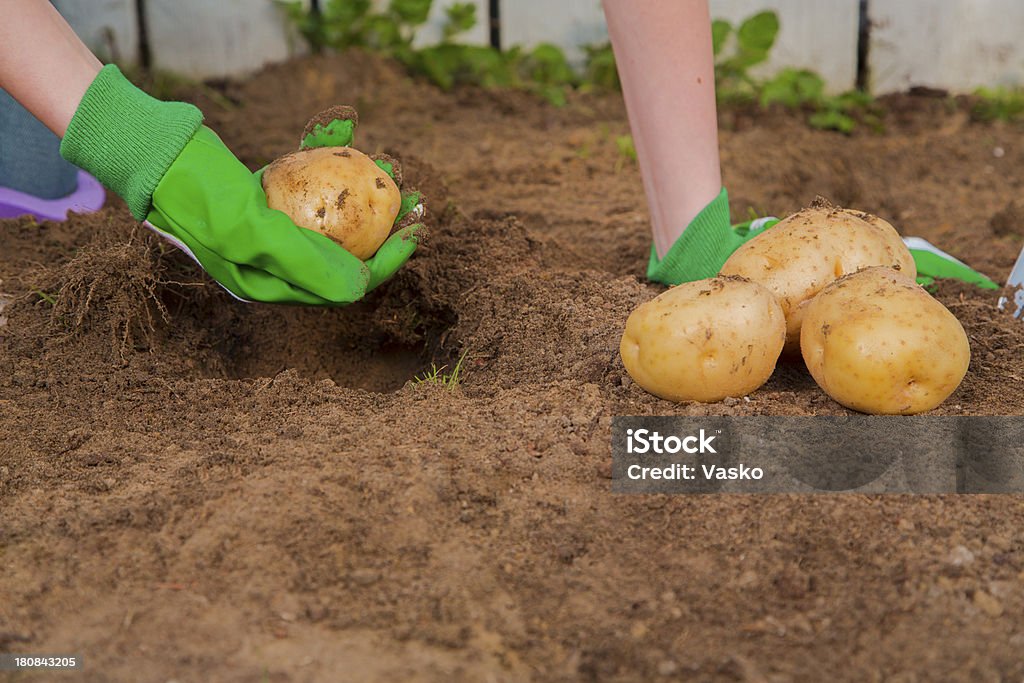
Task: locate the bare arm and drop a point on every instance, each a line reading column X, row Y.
column 43, row 64
column 663, row 51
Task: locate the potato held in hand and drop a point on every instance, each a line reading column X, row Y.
column 876, row 342
column 337, row 191
column 798, row 257
column 704, row 340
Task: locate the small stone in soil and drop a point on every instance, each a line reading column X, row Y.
column 988, row 604
column 960, row 556
column 667, row 667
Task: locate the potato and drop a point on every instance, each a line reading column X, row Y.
column 876, row 342
column 704, row 340
column 337, row 191
column 802, row 254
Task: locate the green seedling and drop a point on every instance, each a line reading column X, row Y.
column 627, row 151
column 754, row 214
column 803, row 89
column 600, row 71
column 437, row 375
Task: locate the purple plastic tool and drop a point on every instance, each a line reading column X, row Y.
column 89, row 197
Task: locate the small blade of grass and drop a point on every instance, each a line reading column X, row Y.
column 437, row 375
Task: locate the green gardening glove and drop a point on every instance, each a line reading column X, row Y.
column 933, row 263
column 709, row 240
column 705, row 245
column 183, row 181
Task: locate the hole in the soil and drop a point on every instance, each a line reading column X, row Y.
column 373, row 346
column 384, row 368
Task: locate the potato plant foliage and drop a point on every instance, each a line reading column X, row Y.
column 546, row 71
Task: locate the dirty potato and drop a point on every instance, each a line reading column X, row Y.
column 877, row 342
column 704, row 340
column 337, row 191
column 802, row 254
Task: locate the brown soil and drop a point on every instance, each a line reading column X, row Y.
column 201, row 490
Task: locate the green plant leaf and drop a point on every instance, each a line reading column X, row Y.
column 546, row 64
column 627, row 152
column 488, row 67
column 411, row 12
column 341, row 23
column 793, row 88
column 624, row 143
column 438, row 64
column 832, row 119
column 757, row 34
column 720, row 30
column 381, row 33
column 600, row 70
column 555, row 94
column 852, row 100
column 459, row 18
column 345, row 11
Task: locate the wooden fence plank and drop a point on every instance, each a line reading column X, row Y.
column 958, row 45
column 108, row 27
column 569, row 24
column 233, row 37
column 813, row 34
column 202, row 39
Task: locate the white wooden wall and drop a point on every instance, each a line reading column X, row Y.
column 815, row 34
column 108, row 27
column 820, row 35
column 199, row 38
column 953, row 44
column 567, row 23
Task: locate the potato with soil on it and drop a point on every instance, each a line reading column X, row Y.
column 877, row 342
column 802, row 254
column 704, row 340
column 337, row 191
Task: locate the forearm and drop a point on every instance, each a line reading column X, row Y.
column 666, row 63
column 43, row 64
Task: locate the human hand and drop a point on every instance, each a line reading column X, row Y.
column 180, row 178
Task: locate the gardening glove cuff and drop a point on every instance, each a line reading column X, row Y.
column 126, row 138
column 704, row 246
